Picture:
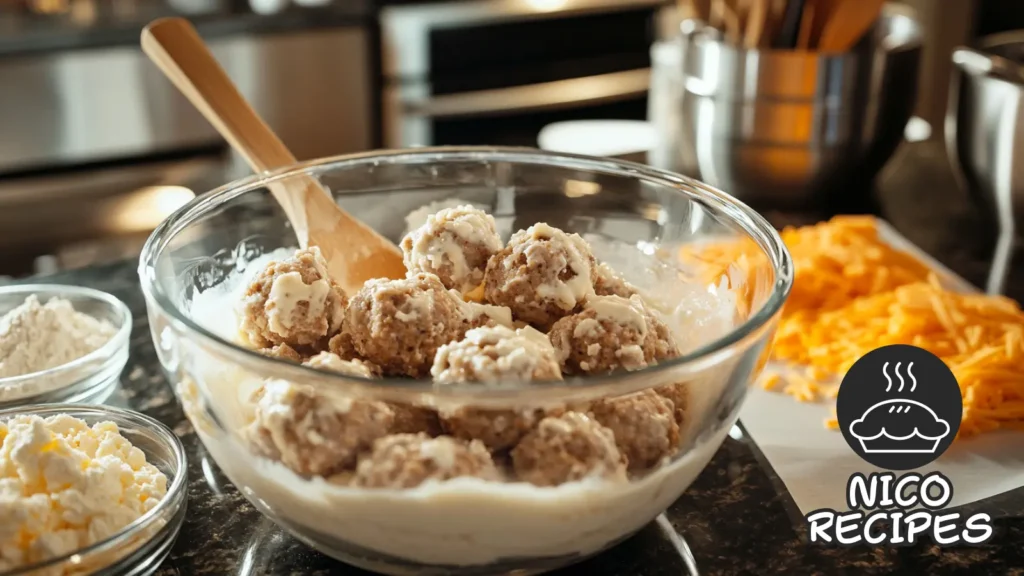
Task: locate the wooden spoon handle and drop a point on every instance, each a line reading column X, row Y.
column 848, row 23
column 755, row 25
column 354, row 251
column 175, row 47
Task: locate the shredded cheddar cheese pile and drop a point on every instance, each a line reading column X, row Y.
column 853, row 293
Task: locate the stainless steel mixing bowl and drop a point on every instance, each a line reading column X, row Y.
column 985, row 135
column 789, row 128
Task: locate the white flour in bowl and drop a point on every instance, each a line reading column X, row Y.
column 36, row 337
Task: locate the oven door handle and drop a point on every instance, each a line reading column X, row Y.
column 544, row 96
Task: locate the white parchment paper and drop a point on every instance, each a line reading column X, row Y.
column 815, row 463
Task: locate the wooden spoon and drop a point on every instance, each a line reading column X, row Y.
column 803, row 38
column 789, row 27
column 772, row 23
column 755, row 26
column 848, row 23
column 698, row 9
column 354, row 252
column 823, row 10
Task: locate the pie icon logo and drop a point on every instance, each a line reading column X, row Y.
column 899, row 407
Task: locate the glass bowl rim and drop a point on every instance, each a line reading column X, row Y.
column 175, row 489
column 108, row 351
column 738, row 213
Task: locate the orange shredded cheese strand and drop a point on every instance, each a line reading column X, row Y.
column 853, row 293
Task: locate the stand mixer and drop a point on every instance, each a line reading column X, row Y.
column 985, row 136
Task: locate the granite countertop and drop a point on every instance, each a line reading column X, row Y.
column 736, row 518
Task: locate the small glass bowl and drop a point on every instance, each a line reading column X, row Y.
column 88, row 379
column 139, row 548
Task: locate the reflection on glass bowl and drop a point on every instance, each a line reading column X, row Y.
column 196, row 260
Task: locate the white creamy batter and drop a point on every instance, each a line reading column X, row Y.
column 465, row 521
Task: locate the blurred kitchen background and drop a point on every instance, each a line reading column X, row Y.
column 96, row 147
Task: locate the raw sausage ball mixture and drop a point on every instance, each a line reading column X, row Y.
column 542, row 275
column 493, row 356
column 334, row 363
column 608, row 283
column 293, row 302
column 455, row 244
column 643, row 424
column 496, row 354
column 400, row 324
column 407, row 419
column 283, row 352
column 565, row 448
column 463, row 316
column 478, row 315
column 610, row 333
column 408, row 460
column 313, row 434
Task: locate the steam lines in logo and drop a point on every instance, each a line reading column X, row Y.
column 899, row 407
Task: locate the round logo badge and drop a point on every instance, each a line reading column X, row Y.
column 899, row 407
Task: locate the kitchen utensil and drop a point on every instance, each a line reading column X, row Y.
column 786, row 129
column 354, row 252
column 789, row 28
column 755, row 24
column 823, row 10
column 696, row 9
column 356, row 524
column 803, row 37
column 772, row 23
column 848, row 23
column 731, row 23
column 985, row 136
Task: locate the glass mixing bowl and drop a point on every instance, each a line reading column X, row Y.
column 640, row 218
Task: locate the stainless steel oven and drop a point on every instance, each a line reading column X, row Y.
column 96, row 146
column 497, row 71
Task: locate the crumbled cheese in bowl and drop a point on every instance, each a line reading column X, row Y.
column 65, row 485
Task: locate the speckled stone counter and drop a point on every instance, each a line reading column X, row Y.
column 735, row 519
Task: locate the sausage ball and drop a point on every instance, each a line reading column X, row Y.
column 542, row 275
column 454, row 244
column 643, row 424
column 333, row 363
column 608, row 283
column 283, row 352
column 400, row 324
column 679, row 395
column 494, row 356
column 566, row 448
column 610, row 333
column 314, row 434
column 408, row 460
column 480, row 315
column 292, row 302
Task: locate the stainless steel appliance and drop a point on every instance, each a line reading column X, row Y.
column 87, row 134
column 497, row 71
column 788, row 129
column 985, row 136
